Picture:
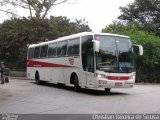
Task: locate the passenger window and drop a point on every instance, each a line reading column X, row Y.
column 52, row 50
column 73, row 46
column 44, row 50
column 36, row 52
column 62, row 48
column 30, row 53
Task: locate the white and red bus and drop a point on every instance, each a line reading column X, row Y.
column 88, row 60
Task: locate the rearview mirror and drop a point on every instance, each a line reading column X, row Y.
column 140, row 48
column 96, row 45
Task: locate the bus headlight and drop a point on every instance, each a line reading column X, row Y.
column 100, row 76
column 132, row 77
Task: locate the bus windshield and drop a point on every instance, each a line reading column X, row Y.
column 115, row 54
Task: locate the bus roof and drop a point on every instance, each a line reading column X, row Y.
column 75, row 36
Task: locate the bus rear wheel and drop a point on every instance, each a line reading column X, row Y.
column 107, row 90
column 38, row 82
column 76, row 84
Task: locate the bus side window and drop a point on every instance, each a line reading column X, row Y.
column 73, row 46
column 37, row 52
column 44, row 50
column 30, row 53
column 52, row 50
column 62, row 48
column 87, row 53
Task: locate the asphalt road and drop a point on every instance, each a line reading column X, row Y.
column 25, row 97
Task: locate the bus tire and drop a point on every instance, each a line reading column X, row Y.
column 76, row 84
column 38, row 82
column 107, row 90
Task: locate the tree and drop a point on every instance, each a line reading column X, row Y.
column 39, row 7
column 146, row 12
column 65, row 27
column 148, row 65
column 16, row 33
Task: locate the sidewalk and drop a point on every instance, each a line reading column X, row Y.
column 19, row 78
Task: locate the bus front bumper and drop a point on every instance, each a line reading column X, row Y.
column 103, row 83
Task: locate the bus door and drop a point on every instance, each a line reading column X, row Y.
column 88, row 59
column 90, row 69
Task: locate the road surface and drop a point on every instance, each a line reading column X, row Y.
column 25, row 97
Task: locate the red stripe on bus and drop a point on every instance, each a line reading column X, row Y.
column 31, row 63
column 117, row 77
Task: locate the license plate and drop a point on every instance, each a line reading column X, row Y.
column 118, row 84
column 102, row 82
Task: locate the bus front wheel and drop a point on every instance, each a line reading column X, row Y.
column 107, row 90
column 76, row 83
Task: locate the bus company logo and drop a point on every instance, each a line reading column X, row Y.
column 71, row 61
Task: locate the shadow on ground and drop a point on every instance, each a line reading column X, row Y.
column 83, row 90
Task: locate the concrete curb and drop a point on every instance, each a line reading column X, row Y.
column 20, row 78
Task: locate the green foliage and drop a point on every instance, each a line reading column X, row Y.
column 148, row 65
column 146, row 12
column 16, row 33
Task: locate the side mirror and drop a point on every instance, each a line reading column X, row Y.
column 140, row 48
column 96, row 45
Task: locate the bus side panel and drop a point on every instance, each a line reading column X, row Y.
column 77, row 68
column 45, row 73
column 67, row 74
column 58, row 75
column 82, row 78
column 79, row 72
column 31, row 72
column 74, row 64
